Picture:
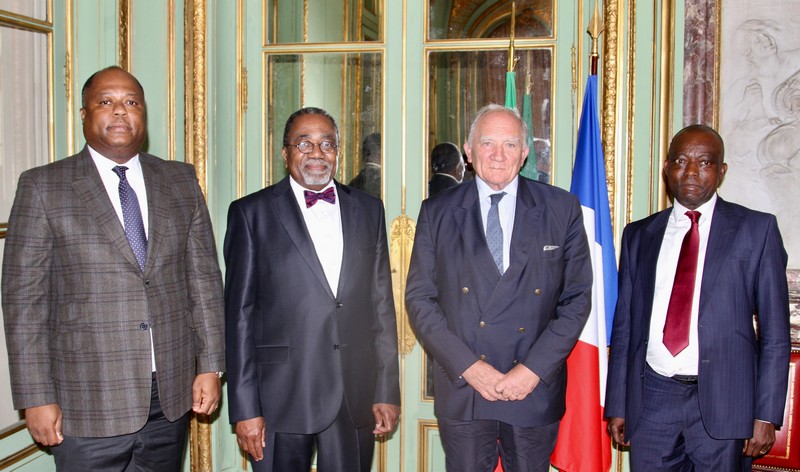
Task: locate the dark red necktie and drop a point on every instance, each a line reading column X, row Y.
column 313, row 197
column 679, row 311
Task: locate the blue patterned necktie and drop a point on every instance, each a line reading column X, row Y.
column 494, row 232
column 132, row 217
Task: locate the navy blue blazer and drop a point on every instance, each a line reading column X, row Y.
column 743, row 373
column 294, row 350
column 463, row 310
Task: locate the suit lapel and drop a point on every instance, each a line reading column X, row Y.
column 647, row 257
column 720, row 239
column 527, row 218
column 348, row 208
column 467, row 216
column 158, row 209
column 90, row 189
column 285, row 205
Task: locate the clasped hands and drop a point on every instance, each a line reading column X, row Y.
column 493, row 385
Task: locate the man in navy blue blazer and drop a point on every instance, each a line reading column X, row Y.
column 712, row 403
column 499, row 289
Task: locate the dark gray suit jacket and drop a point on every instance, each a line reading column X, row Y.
column 742, row 376
column 78, row 310
column 463, row 310
column 294, row 351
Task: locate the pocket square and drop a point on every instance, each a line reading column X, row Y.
column 549, row 248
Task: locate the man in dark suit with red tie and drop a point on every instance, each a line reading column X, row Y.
column 693, row 382
column 311, row 331
column 499, row 289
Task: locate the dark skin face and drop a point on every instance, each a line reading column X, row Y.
column 114, row 116
column 315, row 169
column 694, row 168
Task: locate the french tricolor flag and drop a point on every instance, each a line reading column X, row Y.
column 583, row 444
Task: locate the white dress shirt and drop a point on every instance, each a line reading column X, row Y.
column 324, row 225
column 135, row 177
column 659, row 358
column 506, row 209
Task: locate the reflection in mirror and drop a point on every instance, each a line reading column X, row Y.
column 300, row 21
column 471, row 19
column 30, row 8
column 461, row 82
column 349, row 86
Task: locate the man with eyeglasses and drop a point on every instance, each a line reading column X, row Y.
column 311, row 334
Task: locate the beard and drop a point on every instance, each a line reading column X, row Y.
column 314, row 177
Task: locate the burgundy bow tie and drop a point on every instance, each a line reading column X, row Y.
column 312, row 197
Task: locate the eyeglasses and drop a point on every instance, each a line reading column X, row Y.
column 307, row 147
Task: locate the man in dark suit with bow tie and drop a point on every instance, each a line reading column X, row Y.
column 692, row 384
column 311, row 331
column 499, row 289
column 112, row 295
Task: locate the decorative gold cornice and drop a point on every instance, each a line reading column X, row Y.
column 401, row 240
column 124, row 34
column 631, row 109
column 610, row 83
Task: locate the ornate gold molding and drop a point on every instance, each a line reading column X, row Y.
column 612, row 28
column 631, row 109
column 124, row 34
column 424, row 429
column 200, row 443
column 195, row 87
column 401, row 240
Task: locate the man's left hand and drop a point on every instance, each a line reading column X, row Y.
column 762, row 440
column 206, row 393
column 386, row 416
column 518, row 383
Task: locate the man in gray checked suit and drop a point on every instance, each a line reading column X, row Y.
column 112, row 295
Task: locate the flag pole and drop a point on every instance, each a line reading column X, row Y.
column 511, row 62
column 595, row 29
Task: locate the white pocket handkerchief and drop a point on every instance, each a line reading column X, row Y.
column 549, row 248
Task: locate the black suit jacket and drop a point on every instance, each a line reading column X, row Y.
column 463, row 309
column 440, row 182
column 742, row 376
column 294, row 349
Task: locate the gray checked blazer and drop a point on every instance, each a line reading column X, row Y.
column 79, row 312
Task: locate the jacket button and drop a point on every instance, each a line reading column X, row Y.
column 483, row 357
column 482, row 324
column 147, row 281
column 515, row 362
column 338, row 304
column 144, row 326
column 538, row 291
column 521, row 330
column 335, row 347
column 465, row 290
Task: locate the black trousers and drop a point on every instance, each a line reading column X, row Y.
column 157, row 447
column 341, row 447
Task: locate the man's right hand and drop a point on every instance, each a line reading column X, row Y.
column 483, row 378
column 252, row 437
column 616, row 428
column 44, row 424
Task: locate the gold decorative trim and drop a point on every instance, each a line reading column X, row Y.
column 3, row 230
column 241, row 97
column 69, row 79
column 383, row 453
column 26, row 451
column 610, row 83
column 195, row 128
column 195, row 87
column 424, row 429
column 631, row 109
column 666, row 89
column 26, row 23
column 124, row 34
column 171, row 80
column 401, row 240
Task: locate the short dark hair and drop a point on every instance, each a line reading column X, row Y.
column 699, row 128
column 371, row 148
column 88, row 84
column 445, row 157
column 307, row 111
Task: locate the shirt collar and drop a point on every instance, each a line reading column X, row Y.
column 298, row 190
column 484, row 191
column 706, row 209
column 104, row 163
